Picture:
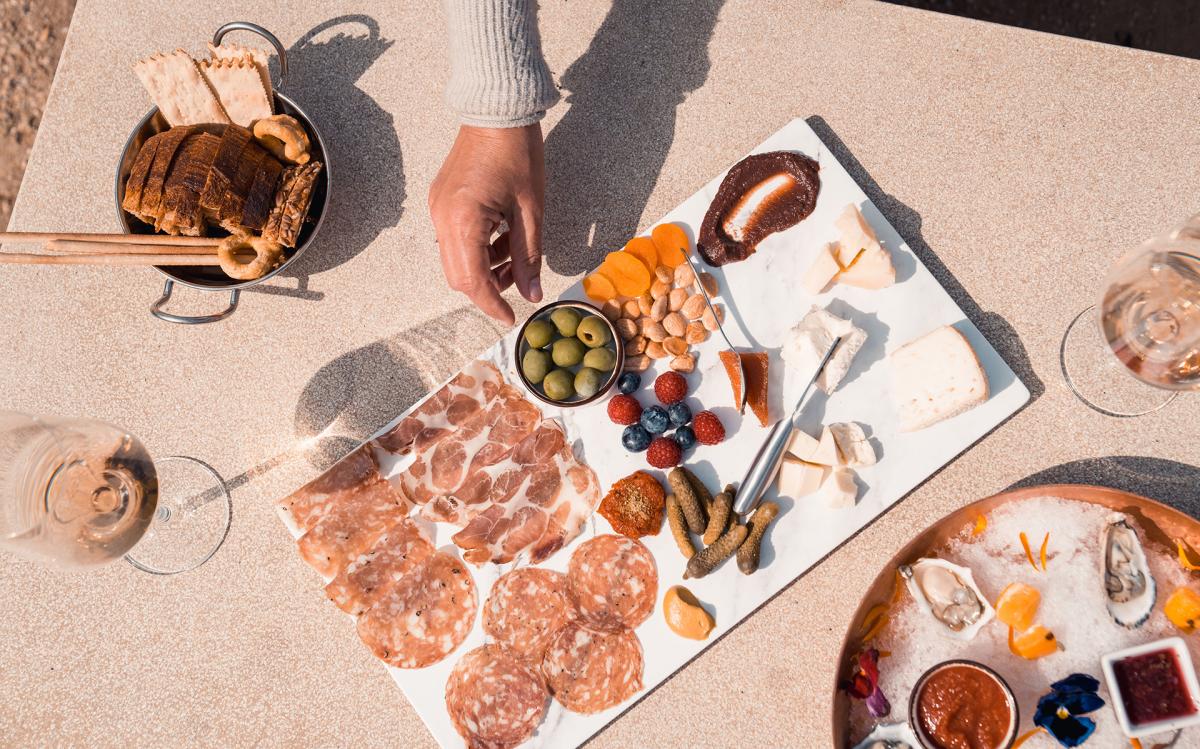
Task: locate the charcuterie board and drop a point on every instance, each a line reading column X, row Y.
column 765, row 300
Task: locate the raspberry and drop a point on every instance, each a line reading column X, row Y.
column 670, row 387
column 708, row 428
column 624, row 409
column 664, row 452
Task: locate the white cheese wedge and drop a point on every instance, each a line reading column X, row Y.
column 802, row 445
column 864, row 262
column 840, row 489
column 812, row 337
column 797, row 478
column 856, row 234
column 935, row 377
column 826, row 453
column 854, row 449
column 821, row 273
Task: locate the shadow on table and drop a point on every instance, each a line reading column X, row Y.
column 1170, row 482
column 603, row 158
column 367, row 169
column 907, row 222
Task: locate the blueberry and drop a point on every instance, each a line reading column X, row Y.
column 629, row 382
column 680, row 414
column 655, row 419
column 635, row 438
column 685, row 438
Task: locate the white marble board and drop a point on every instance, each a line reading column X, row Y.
column 765, row 300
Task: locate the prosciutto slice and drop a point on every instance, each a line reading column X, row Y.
column 472, row 389
column 311, row 502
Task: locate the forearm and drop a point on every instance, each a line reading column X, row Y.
column 498, row 77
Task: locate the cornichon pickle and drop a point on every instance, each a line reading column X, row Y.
column 707, row 559
column 702, row 492
column 689, row 501
column 748, row 552
column 718, row 516
column 679, row 528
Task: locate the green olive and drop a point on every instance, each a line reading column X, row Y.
column 603, row 359
column 558, row 385
column 535, row 364
column 538, row 333
column 593, row 331
column 588, row 381
column 567, row 352
column 566, row 320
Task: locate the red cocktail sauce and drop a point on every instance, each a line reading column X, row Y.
column 1152, row 687
column 962, row 707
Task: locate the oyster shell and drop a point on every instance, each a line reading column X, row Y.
column 1128, row 582
column 948, row 593
column 889, row 736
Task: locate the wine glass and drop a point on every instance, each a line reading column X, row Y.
column 1139, row 347
column 80, row 492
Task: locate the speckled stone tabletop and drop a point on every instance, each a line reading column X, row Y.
column 1017, row 165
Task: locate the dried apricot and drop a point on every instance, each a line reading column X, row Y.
column 1017, row 605
column 627, row 273
column 643, row 249
column 599, row 287
column 672, row 244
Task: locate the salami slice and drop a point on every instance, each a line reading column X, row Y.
column 612, row 582
column 525, row 610
column 424, row 616
column 495, row 698
column 367, row 577
column 589, row 671
column 351, row 526
column 311, row 502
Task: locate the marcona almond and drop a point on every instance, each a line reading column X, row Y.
column 655, row 350
column 684, row 275
column 694, row 307
column 676, row 299
column 675, row 346
column 696, row 332
column 675, row 324
column 659, row 310
column 636, row 345
column 645, row 303
column 711, row 321
column 636, row 363
column 659, row 289
column 684, row 363
column 709, row 282
column 630, row 309
column 655, row 332
column 664, row 274
column 626, row 328
column 611, row 310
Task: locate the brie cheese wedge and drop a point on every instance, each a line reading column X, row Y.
column 840, row 489
column 935, row 377
column 854, row 449
column 826, row 452
column 812, row 337
column 802, row 445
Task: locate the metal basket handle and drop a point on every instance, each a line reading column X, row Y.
column 254, row 28
column 156, row 309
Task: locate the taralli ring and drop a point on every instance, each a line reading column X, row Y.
column 267, row 256
column 283, row 136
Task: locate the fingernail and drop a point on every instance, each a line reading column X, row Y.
column 535, row 290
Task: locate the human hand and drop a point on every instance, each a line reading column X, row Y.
column 490, row 176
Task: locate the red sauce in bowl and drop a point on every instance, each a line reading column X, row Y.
column 961, row 706
column 1152, row 687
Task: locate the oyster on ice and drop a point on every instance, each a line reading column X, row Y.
column 948, row 593
column 889, row 736
column 1127, row 580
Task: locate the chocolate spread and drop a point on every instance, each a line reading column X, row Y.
column 762, row 194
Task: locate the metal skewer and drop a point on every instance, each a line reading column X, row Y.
column 721, row 329
column 766, row 463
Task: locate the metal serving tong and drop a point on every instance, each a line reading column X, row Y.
column 721, row 329
column 766, row 463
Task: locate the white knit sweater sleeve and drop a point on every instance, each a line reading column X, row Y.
column 498, row 77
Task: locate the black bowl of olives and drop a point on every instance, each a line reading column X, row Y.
column 568, row 354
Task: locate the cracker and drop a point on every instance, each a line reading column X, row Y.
column 258, row 57
column 239, row 88
column 178, row 89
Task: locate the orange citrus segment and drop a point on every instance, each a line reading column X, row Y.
column 627, row 273
column 1184, row 560
column 599, row 287
column 980, row 524
column 672, row 244
column 1183, row 609
column 1034, row 643
column 643, row 249
column 1017, row 605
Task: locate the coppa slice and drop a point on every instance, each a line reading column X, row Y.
column 525, row 610
column 351, row 526
column 762, row 194
column 424, row 616
column 613, row 582
column 590, row 671
column 311, row 502
column 495, row 699
column 441, row 413
column 397, row 553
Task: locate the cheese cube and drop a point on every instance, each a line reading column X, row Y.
column 812, row 337
column 857, row 234
column 840, row 489
column 802, row 445
column 826, row 453
column 935, row 377
column 821, row 273
column 797, row 478
column 872, row 269
column 854, row 449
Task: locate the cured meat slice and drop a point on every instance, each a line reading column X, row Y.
column 311, row 502
column 441, row 413
column 353, row 523
column 484, row 439
column 424, row 616
column 589, row 671
column 495, row 699
column 399, row 551
column 525, row 610
column 613, row 582
column 536, row 501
